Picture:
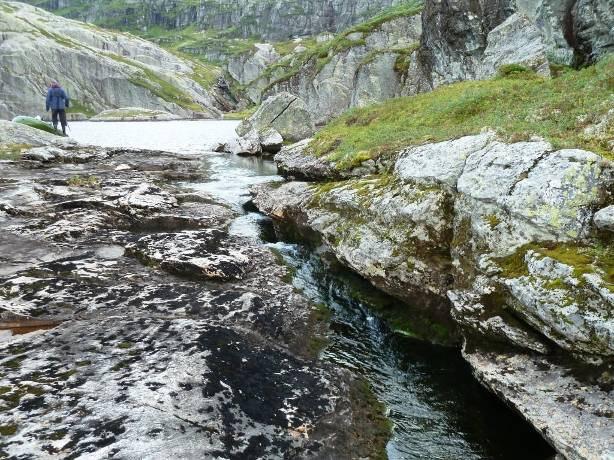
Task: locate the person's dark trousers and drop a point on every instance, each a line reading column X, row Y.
column 54, row 118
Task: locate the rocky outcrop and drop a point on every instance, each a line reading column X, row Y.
column 247, row 67
column 99, row 69
column 465, row 40
column 502, row 236
column 173, row 336
column 574, row 417
column 269, row 19
column 296, row 162
column 280, row 118
column 369, row 67
column 449, row 42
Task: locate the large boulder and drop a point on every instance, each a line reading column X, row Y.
column 604, row 219
column 515, row 41
column 285, row 113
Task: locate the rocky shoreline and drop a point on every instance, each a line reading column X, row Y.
column 176, row 336
column 512, row 240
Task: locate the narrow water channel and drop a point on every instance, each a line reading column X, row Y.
column 438, row 410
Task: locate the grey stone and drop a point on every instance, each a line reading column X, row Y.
column 560, row 192
column 442, row 162
column 295, row 161
column 572, row 414
column 285, row 113
column 494, row 171
column 271, row 141
column 515, row 41
column 570, row 315
column 245, row 145
column 604, row 219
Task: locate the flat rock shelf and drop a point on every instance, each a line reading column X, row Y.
column 173, row 323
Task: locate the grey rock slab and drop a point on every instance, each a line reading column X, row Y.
column 150, row 386
column 573, row 415
column 560, row 192
column 515, row 41
column 296, row 161
column 571, row 316
column 207, row 254
column 441, row 162
column 493, row 171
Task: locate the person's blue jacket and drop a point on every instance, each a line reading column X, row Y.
column 57, row 98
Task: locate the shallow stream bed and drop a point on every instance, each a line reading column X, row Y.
column 437, row 409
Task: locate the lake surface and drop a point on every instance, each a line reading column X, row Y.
column 438, row 409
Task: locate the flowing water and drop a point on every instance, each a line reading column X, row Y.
column 438, row 410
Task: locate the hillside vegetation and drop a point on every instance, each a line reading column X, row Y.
column 569, row 110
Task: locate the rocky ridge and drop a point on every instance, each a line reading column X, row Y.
column 500, row 236
column 100, row 69
column 175, row 337
column 269, row 19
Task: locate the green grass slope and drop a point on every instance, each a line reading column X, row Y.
column 517, row 104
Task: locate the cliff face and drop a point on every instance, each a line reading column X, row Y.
column 465, row 39
column 101, row 70
column 268, row 19
column 409, row 52
column 358, row 68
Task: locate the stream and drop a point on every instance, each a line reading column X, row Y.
column 437, row 408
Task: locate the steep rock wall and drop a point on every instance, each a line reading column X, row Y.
column 269, row 19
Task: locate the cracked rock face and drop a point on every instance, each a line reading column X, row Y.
column 285, row 113
column 503, row 236
column 574, row 416
column 203, row 351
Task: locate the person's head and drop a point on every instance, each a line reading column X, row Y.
column 55, row 84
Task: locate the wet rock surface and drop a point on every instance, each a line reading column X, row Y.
column 177, row 338
column 511, row 240
column 575, row 417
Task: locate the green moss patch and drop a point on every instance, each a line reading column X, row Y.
column 372, row 429
column 8, row 430
column 598, row 259
column 241, row 114
column 12, row 152
column 557, row 109
column 84, row 181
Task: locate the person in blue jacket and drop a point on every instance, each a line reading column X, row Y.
column 57, row 102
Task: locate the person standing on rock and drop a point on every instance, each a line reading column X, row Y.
column 57, row 102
